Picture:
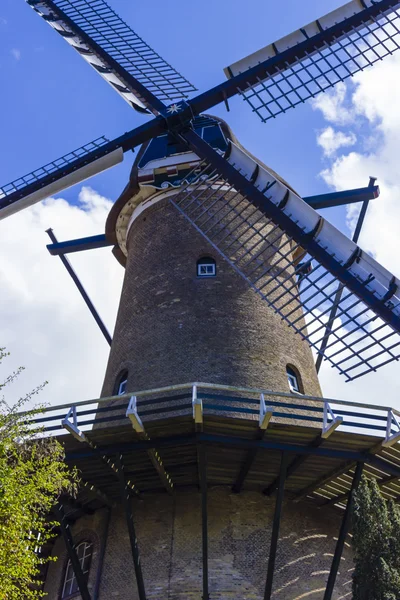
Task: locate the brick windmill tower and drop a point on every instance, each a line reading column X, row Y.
column 211, row 466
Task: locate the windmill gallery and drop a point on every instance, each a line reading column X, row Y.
column 210, row 449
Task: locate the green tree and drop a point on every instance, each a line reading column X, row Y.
column 376, row 541
column 32, row 476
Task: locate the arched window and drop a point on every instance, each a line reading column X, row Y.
column 206, row 267
column 294, row 380
column 120, row 384
column 84, row 551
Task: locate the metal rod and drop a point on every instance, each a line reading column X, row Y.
column 344, row 529
column 71, row 551
column 339, row 291
column 127, row 506
column 202, row 455
column 81, row 289
column 275, row 528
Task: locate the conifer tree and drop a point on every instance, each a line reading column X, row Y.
column 376, row 541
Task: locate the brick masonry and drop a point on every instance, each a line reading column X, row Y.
column 173, row 327
column 169, row 535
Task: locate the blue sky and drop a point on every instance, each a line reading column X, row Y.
column 53, row 102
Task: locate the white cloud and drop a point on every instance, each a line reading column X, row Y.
column 16, row 53
column 373, row 101
column 44, row 322
column 331, row 140
column 333, row 105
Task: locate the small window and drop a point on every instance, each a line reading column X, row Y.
column 120, row 386
column 84, row 551
column 206, row 267
column 293, row 380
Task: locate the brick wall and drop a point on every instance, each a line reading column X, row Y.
column 169, row 536
column 173, row 327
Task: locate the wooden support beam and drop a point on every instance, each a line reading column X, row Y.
column 247, row 464
column 344, row 529
column 275, row 528
column 127, row 506
column 265, row 416
column 71, row 551
column 342, row 497
column 95, row 492
column 344, row 468
column 202, row 454
column 152, row 453
column 293, row 467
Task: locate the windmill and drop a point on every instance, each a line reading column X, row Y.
column 330, row 292
column 353, row 327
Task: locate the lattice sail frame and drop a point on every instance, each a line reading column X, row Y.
column 303, row 78
column 291, row 281
column 102, row 25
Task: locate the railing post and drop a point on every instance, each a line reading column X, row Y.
column 329, row 427
column 266, row 413
column 391, row 438
column 197, row 405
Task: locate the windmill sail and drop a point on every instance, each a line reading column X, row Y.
column 316, row 57
column 296, row 261
column 73, row 168
column 115, row 51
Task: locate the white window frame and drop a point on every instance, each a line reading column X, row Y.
column 293, row 381
column 122, row 387
column 70, row 584
column 210, row 270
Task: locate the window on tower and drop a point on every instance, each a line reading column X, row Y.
column 206, row 267
column 294, row 380
column 84, row 551
column 120, row 385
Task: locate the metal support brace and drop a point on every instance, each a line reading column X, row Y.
column 74, row 430
column 293, row 467
column 81, row 290
column 344, row 529
column 72, row 427
column 275, row 528
column 127, row 506
column 266, row 413
column 152, row 453
column 197, row 404
column 202, row 456
column 71, row 550
column 391, row 438
column 329, row 426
